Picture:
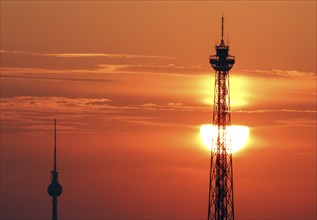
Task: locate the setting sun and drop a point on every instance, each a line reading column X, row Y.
column 239, row 135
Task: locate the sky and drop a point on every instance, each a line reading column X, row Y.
column 130, row 85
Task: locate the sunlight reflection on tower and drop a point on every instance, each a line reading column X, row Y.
column 238, row 135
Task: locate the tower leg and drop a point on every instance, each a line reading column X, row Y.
column 220, row 205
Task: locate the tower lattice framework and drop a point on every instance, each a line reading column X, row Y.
column 221, row 203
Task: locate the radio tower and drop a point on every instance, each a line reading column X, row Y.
column 54, row 189
column 220, row 206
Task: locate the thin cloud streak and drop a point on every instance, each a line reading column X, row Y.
column 275, row 73
column 298, row 123
column 59, row 78
column 159, row 70
column 275, row 111
column 76, row 55
column 108, row 55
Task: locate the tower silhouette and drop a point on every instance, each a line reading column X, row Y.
column 54, row 189
column 220, row 206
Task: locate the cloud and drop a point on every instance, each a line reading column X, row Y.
column 33, row 62
column 144, row 69
column 29, row 112
column 87, row 55
column 58, row 78
column 107, row 55
column 125, row 63
column 298, row 123
column 168, row 69
column 279, row 73
column 276, row 111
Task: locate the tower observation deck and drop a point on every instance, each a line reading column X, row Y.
column 221, row 205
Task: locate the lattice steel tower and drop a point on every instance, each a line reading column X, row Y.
column 220, row 206
column 54, row 189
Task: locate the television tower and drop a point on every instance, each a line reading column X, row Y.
column 54, row 189
column 220, row 206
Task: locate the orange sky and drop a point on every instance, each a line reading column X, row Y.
column 130, row 84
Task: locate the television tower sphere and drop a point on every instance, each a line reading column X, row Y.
column 54, row 189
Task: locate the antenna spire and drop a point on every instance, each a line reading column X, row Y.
column 55, row 144
column 222, row 29
column 222, row 25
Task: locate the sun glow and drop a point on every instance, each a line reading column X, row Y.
column 239, row 136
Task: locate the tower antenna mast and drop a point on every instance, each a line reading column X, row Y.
column 222, row 26
column 55, row 145
column 221, row 204
column 222, row 30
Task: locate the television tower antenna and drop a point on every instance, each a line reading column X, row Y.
column 220, row 205
column 222, row 26
column 54, row 189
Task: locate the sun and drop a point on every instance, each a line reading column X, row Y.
column 239, row 136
